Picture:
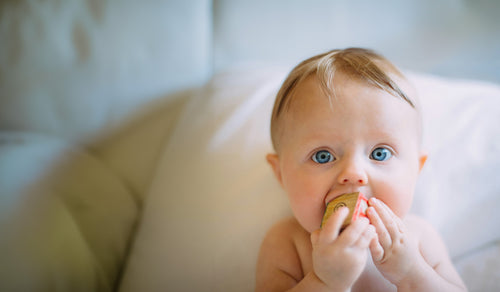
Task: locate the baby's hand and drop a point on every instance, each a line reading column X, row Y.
column 396, row 251
column 339, row 259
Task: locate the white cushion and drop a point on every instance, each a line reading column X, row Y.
column 214, row 196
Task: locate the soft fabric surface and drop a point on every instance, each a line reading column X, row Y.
column 459, row 188
column 132, row 151
column 214, row 196
column 65, row 219
column 77, row 68
column 480, row 268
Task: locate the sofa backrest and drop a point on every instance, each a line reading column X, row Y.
column 76, row 68
column 452, row 38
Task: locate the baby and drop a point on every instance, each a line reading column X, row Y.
column 348, row 121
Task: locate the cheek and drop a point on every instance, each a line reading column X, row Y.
column 398, row 201
column 306, row 196
column 398, row 193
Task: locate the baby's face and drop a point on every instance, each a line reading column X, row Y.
column 366, row 140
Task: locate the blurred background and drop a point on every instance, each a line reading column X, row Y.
column 107, row 57
column 458, row 38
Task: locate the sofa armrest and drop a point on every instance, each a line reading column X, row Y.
column 65, row 218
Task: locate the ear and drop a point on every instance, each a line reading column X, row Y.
column 421, row 161
column 274, row 162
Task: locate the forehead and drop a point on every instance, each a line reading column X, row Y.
column 353, row 104
column 347, row 86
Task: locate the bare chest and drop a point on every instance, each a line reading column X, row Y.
column 372, row 280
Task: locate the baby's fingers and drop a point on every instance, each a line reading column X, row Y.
column 392, row 223
column 383, row 241
column 376, row 250
column 331, row 229
column 367, row 237
column 354, row 232
column 384, row 237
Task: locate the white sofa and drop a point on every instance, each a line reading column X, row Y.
column 133, row 133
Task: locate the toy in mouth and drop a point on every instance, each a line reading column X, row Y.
column 356, row 202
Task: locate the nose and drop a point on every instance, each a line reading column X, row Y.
column 353, row 172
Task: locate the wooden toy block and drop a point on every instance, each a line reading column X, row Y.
column 356, row 202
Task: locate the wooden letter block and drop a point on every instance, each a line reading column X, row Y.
column 356, row 202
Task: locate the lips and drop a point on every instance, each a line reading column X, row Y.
column 337, row 193
column 332, row 195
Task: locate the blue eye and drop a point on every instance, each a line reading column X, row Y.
column 322, row 157
column 381, row 154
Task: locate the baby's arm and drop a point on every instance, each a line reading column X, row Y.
column 413, row 262
column 337, row 259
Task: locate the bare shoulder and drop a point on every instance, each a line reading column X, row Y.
column 420, row 227
column 279, row 265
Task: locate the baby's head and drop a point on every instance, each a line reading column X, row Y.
column 359, row 64
column 346, row 121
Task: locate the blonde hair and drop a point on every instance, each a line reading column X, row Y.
column 361, row 64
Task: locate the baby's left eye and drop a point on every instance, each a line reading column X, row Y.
column 381, row 154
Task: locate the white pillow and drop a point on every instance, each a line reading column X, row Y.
column 459, row 189
column 214, row 196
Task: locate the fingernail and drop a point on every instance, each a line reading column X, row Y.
column 344, row 209
column 340, row 208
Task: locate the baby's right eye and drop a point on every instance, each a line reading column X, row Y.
column 322, row 157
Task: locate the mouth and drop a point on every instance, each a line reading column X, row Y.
column 332, row 196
